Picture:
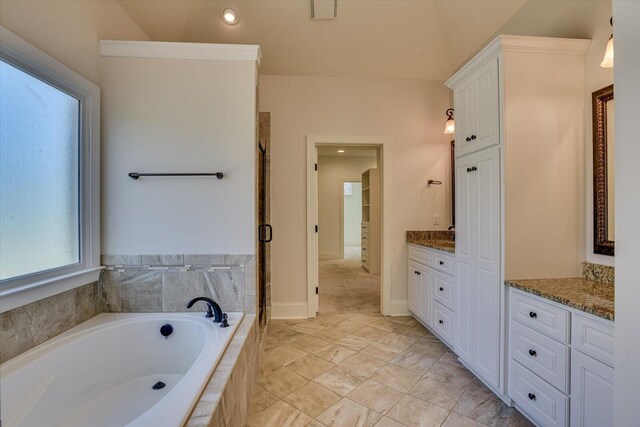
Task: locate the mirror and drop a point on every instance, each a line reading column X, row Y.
column 603, row 111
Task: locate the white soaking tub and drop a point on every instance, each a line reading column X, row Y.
column 102, row 372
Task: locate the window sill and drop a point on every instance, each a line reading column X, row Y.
column 27, row 294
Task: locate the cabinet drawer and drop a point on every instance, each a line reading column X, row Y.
column 593, row 338
column 544, row 403
column 444, row 290
column 421, row 255
column 444, row 263
column 539, row 315
column 444, row 323
column 544, row 356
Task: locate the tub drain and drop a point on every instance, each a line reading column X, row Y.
column 159, row 385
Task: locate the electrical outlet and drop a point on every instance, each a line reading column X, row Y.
column 436, row 219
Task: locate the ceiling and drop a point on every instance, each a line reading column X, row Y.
column 417, row 39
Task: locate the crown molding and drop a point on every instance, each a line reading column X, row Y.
column 174, row 50
column 528, row 44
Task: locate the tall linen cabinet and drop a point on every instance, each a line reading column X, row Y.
column 519, row 111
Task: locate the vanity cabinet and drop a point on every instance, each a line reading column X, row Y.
column 432, row 291
column 512, row 202
column 560, row 367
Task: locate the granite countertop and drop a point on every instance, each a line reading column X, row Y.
column 434, row 239
column 582, row 294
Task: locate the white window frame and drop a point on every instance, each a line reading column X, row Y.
column 30, row 288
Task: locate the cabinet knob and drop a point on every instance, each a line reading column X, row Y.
column 418, row 273
column 532, row 396
column 441, row 321
column 532, row 353
column 441, row 289
column 468, row 169
column 473, row 137
column 468, row 139
column 473, row 169
column 533, row 314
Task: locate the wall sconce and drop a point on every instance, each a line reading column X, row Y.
column 607, row 61
column 450, row 126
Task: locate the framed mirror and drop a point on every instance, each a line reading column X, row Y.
column 603, row 111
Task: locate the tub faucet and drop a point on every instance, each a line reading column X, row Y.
column 213, row 309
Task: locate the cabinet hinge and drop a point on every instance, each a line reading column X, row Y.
column 316, row 166
column 316, row 228
column 317, row 290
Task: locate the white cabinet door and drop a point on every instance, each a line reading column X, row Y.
column 486, row 125
column 425, row 283
column 465, row 206
column 592, row 392
column 486, row 263
column 412, row 282
column 464, row 116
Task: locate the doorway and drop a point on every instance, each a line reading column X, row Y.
column 338, row 276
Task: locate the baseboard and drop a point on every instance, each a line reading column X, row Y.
column 289, row 310
column 398, row 308
column 329, row 255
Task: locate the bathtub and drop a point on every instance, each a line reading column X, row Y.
column 103, row 372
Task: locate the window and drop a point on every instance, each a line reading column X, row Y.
column 49, row 158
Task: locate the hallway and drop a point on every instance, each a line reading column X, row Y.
column 346, row 370
column 345, row 287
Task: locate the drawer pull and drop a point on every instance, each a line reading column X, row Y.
column 441, row 262
column 417, row 272
column 532, row 396
column 533, row 314
column 533, row 353
column 441, row 289
column 441, row 321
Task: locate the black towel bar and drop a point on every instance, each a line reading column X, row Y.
column 136, row 175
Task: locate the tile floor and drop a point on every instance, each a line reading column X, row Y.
column 346, row 370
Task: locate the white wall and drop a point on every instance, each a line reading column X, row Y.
column 178, row 115
column 409, row 112
column 331, row 172
column 353, row 216
column 69, row 30
column 626, row 15
column 596, row 78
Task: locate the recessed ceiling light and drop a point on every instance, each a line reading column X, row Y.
column 340, row 151
column 230, row 16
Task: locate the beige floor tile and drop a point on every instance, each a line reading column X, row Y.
column 353, row 342
column 413, row 361
column 370, row 332
column 330, row 333
column 280, row 414
column 281, row 382
column 431, row 347
column 334, row 353
column 285, row 335
column 457, row 420
column 315, row 423
column 375, row 396
column 310, row 366
column 441, row 394
column 280, row 356
column 480, row 404
column 397, row 341
column 396, row 377
column 348, row 326
column 414, row 331
column 450, row 373
column 519, row 420
column 308, row 343
column 340, row 380
column 310, row 326
column 312, row 399
column 261, row 399
column 362, row 364
column 332, row 318
column 381, row 351
column 414, row 412
column 388, row 422
column 347, row 413
column 451, row 357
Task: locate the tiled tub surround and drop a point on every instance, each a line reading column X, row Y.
column 437, row 239
column 156, row 283
column 25, row 327
column 225, row 399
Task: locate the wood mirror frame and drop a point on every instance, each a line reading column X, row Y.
column 601, row 243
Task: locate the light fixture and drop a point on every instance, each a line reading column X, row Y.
column 230, row 16
column 607, row 61
column 340, row 151
column 450, row 126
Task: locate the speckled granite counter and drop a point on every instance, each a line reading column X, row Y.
column 440, row 240
column 582, row 294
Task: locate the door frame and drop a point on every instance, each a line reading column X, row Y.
column 383, row 143
column 342, row 182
